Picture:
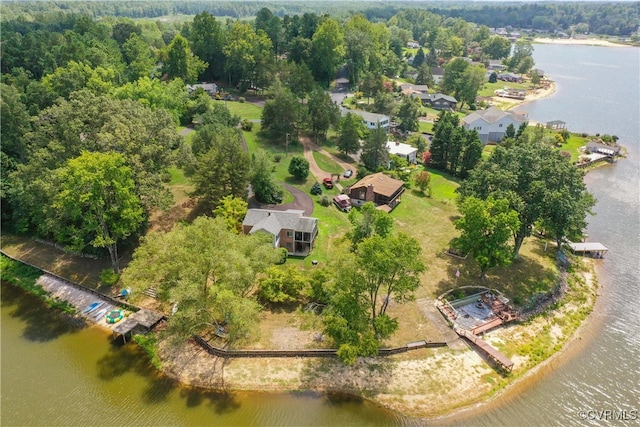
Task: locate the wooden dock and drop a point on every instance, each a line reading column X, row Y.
column 142, row 321
column 493, row 353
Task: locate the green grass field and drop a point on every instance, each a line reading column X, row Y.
column 326, row 164
column 243, row 109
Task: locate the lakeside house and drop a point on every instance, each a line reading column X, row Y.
column 438, row 101
column 556, row 125
column 290, row 229
column 491, row 124
column 402, row 150
column 371, row 120
column 378, row 188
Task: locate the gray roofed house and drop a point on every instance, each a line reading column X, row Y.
column 556, row 124
column 409, row 88
column 491, row 124
column 210, row 88
column 371, row 120
column 438, row 101
column 290, row 229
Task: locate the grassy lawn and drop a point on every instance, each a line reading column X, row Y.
column 487, row 151
column 572, row 145
column 425, row 127
column 243, row 109
column 489, row 88
column 326, row 164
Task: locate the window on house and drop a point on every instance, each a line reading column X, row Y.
column 500, row 125
column 289, row 233
column 362, row 195
column 288, row 245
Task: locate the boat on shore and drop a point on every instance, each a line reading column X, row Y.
column 93, row 306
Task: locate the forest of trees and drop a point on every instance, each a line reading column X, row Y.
column 609, row 18
column 90, row 115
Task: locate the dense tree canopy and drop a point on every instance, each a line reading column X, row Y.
column 192, row 269
column 486, row 227
column 96, row 203
column 540, row 185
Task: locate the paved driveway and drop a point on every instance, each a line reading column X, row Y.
column 301, row 201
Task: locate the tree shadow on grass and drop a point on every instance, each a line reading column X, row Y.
column 521, row 279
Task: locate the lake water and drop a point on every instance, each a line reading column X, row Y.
column 53, row 374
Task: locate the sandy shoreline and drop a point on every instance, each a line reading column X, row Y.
column 446, row 383
column 583, row 42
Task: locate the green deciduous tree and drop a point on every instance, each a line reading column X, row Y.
column 180, row 62
column 262, row 182
column 327, row 50
column 525, row 175
column 282, row 285
column 92, row 123
column 299, row 168
column 496, row 47
column 323, row 113
column 283, row 114
column 232, row 211
column 368, row 221
column 96, row 203
column 487, row 226
column 248, row 56
column 208, row 271
column 380, row 270
column 454, row 77
column 223, row 167
column 423, row 182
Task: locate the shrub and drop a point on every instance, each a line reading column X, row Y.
column 277, row 158
column 325, row 200
column 242, row 100
column 284, row 253
column 316, row 189
column 299, row 168
column 247, row 125
column 108, row 277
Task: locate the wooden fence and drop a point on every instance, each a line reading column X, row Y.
column 115, row 301
column 219, row 352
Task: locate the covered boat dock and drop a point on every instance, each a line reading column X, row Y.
column 596, row 250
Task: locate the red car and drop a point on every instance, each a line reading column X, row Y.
column 327, row 182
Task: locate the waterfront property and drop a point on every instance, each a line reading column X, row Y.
column 378, row 188
column 290, row 229
column 491, row 124
column 596, row 250
column 438, row 101
column 478, row 313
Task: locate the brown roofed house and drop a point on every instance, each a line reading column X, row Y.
column 378, row 188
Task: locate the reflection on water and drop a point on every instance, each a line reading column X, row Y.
column 55, row 373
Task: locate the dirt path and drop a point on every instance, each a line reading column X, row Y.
column 309, row 148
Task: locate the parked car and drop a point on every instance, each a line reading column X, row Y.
column 348, row 173
column 327, row 182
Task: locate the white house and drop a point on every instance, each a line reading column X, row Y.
column 402, row 150
column 371, row 120
column 491, row 124
column 210, row 88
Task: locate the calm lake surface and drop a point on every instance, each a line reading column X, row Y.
column 55, row 375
